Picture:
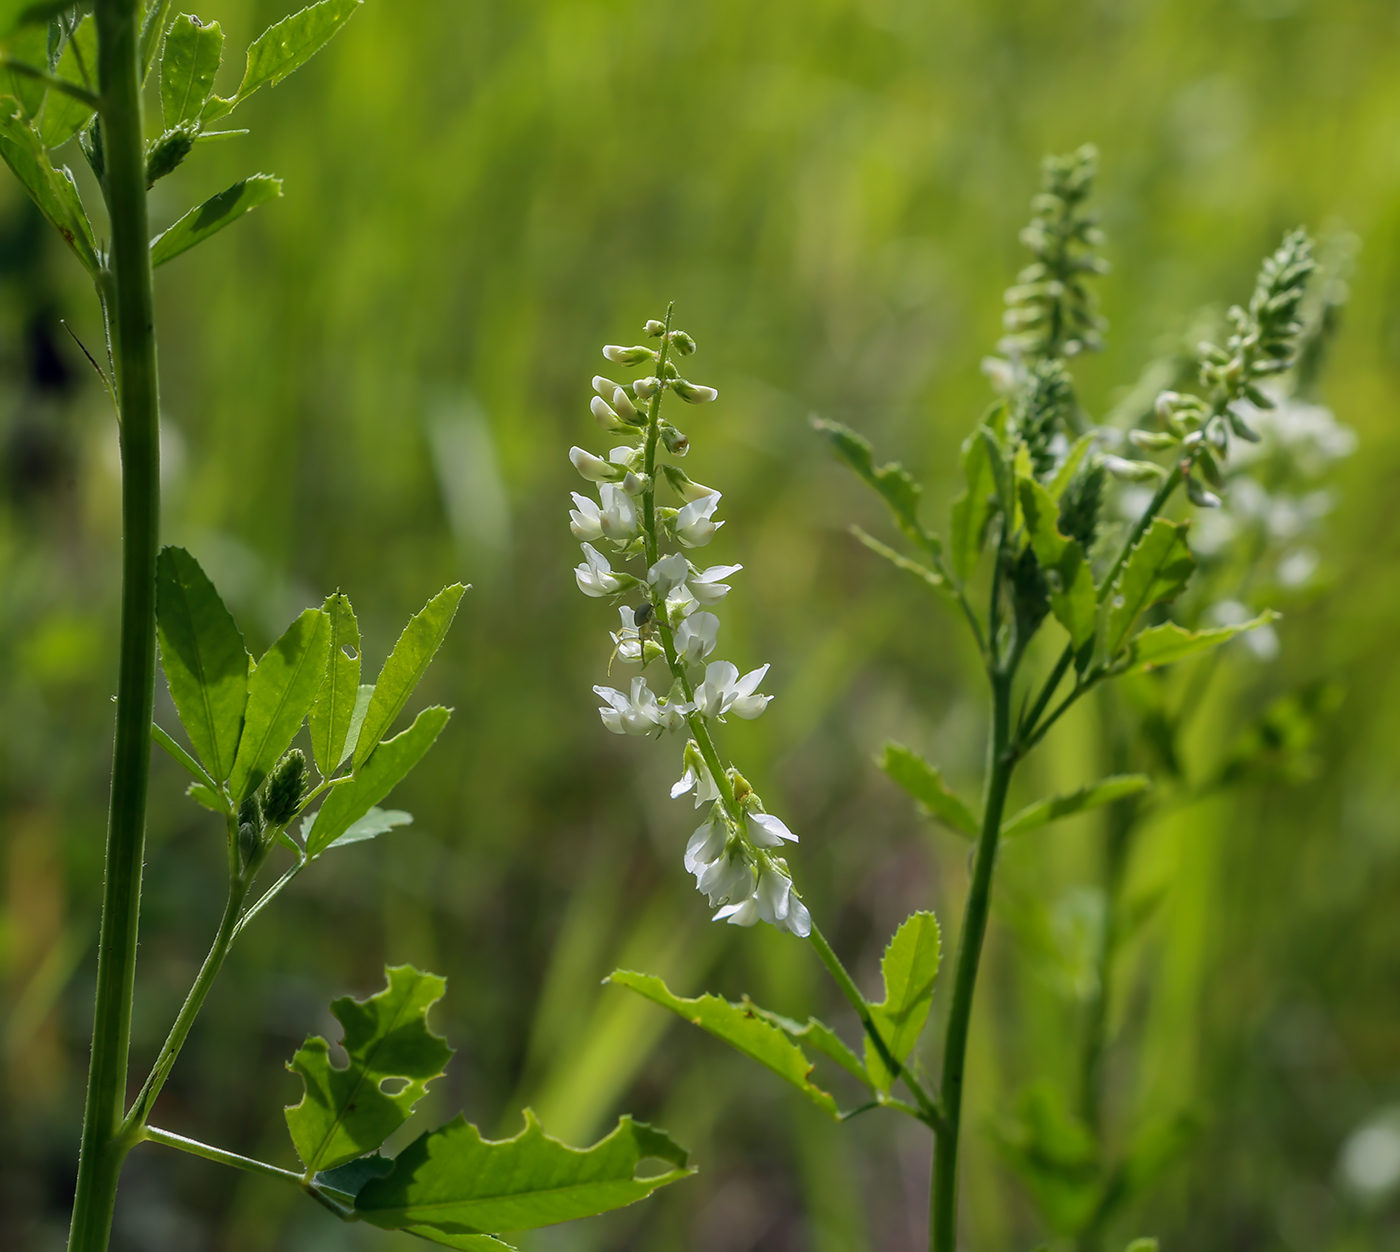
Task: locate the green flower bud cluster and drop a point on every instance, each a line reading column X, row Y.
column 1051, row 312
column 1042, row 409
column 285, row 789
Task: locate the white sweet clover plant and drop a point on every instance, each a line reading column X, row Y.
column 734, row 852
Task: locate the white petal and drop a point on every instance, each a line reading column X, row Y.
column 749, row 707
column 774, row 893
column 798, row 920
column 706, row 845
column 745, row 914
column 594, row 468
column 748, row 684
column 768, row 831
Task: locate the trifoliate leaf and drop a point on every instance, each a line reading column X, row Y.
column 421, row 639
column 213, row 215
column 280, row 694
column 345, row 1113
column 819, row 1035
column 351, row 801
column 1093, row 796
column 52, row 189
column 63, row 116
column 1071, row 581
column 187, row 67
column 335, row 703
column 974, row 508
column 1161, row 645
column 1157, row 570
column 892, row 482
column 738, row 1027
column 451, row 1182
column 910, row 966
column 924, row 782
column 205, row 662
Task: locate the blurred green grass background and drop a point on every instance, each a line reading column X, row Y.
column 371, row 385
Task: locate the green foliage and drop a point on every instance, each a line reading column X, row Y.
column 819, row 1036
column 213, row 215
column 975, row 507
column 52, row 190
column 1167, row 643
column 924, row 782
column 16, row 14
column 281, row 691
column 1092, row 796
column 350, row 801
column 345, row 1113
column 909, row 968
column 928, row 577
column 1070, row 580
column 193, row 51
column 1057, row 1157
column 1156, row 571
column 892, row 482
column 451, row 1184
column 206, row 665
column 739, row 1027
column 373, row 824
column 418, row 644
column 62, row 116
column 335, row 702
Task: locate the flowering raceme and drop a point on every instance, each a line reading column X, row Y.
column 671, row 621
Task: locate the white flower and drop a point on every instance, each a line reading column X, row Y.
column 767, row 831
column 699, row 780
column 639, row 712
column 627, row 641
column 706, row 586
column 593, row 468
column 618, row 517
column 777, row 905
column 745, row 914
column 585, row 521
column 695, row 638
column 727, row 880
column 607, row 419
column 595, row 577
column 626, row 456
column 667, row 574
column 723, row 691
column 693, row 526
column 707, row 844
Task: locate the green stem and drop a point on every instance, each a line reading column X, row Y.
column 928, row 1111
column 52, row 81
column 194, row 1001
column 943, row 1198
column 210, row 1153
column 127, row 292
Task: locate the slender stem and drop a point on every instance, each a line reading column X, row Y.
column 194, row 1001
column 943, row 1198
column 1057, row 674
column 210, row 1153
column 1159, row 501
column 127, row 295
column 52, row 81
column 928, row 1110
column 268, row 896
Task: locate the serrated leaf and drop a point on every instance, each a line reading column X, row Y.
column 30, row 46
column 891, row 482
column 53, row 190
column 345, row 1113
column 374, row 823
column 1071, row 581
column 738, row 1027
column 418, row 644
column 819, row 1035
column 1157, row 570
column 350, row 801
column 188, row 64
column 1092, row 796
column 335, row 703
column 452, row 1182
column 910, row 967
column 924, row 782
column 205, row 662
column 16, row 14
column 974, row 508
column 1164, row 644
column 62, row 116
column 281, row 691
column 213, row 215
column 292, row 42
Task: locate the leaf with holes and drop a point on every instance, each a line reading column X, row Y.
column 188, row 64
column 345, row 1113
column 280, row 694
column 452, row 1184
column 909, row 966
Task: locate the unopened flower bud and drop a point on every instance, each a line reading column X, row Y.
column 693, row 393
column 1132, row 471
column 682, row 343
column 248, row 841
column 638, row 355
column 685, row 487
column 645, row 388
column 626, row 410
column 604, row 386
column 249, row 814
column 1200, row 496
column 634, row 484
column 676, row 443
column 284, row 789
column 593, row 468
column 654, row 328
column 603, row 411
column 1151, row 440
column 1166, row 403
